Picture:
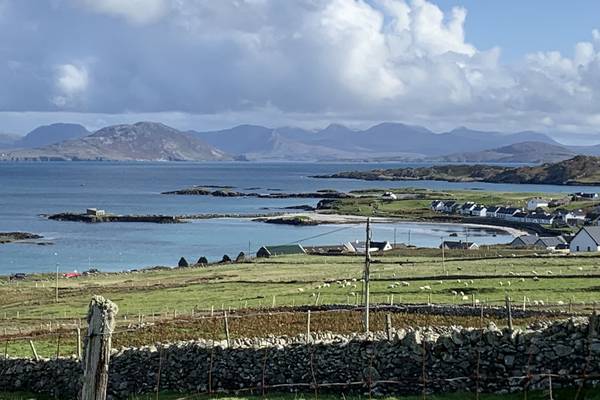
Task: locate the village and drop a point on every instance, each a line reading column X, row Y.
column 578, row 230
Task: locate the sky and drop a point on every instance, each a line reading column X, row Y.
column 202, row 64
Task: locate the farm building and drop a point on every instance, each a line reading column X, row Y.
column 359, row 247
column 550, row 242
column 524, row 241
column 282, row 250
column 389, row 196
column 586, row 240
column 344, row 248
column 458, row 245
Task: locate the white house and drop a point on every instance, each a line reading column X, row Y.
column 466, row 208
column 586, row 240
column 437, row 205
column 389, row 196
column 479, row 211
column 535, row 203
column 492, row 212
column 450, row 206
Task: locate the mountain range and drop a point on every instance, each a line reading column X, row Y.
column 150, row 141
column 143, row 141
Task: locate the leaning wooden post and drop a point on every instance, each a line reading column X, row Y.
column 35, row 354
column 101, row 324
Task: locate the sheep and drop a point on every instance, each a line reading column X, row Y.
column 471, row 281
column 427, row 287
column 440, row 282
column 466, row 284
column 352, row 294
column 354, row 286
column 454, row 293
column 501, row 283
column 461, row 293
column 300, row 290
column 458, row 281
column 535, row 278
column 392, row 286
column 508, row 283
column 549, row 272
column 580, row 268
column 465, row 298
column 405, row 283
column 561, row 303
column 522, row 280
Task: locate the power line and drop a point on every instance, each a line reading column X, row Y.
column 325, row 234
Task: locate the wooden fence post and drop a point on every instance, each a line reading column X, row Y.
column 308, row 327
column 226, row 328
column 35, row 354
column 388, row 325
column 509, row 313
column 97, row 346
column 79, row 343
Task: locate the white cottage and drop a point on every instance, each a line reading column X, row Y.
column 586, row 240
column 535, row 203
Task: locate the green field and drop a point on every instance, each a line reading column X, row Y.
column 172, row 300
column 413, row 204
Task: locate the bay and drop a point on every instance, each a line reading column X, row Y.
column 30, row 189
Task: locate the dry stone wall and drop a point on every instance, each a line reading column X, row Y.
column 441, row 359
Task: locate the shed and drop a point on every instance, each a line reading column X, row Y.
column 281, row 250
column 458, row 245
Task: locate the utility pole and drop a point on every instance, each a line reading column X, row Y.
column 409, row 237
column 394, row 237
column 367, row 273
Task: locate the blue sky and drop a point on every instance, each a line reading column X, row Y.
column 524, row 26
column 202, row 64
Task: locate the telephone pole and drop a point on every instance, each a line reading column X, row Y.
column 367, row 273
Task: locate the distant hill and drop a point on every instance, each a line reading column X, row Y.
column 579, row 170
column 525, row 152
column 8, row 140
column 143, row 141
column 391, row 141
column 50, row 134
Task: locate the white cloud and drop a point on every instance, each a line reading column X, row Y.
column 135, row 11
column 71, row 82
column 348, row 60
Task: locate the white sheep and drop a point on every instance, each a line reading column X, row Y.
column 465, row 298
column 501, row 283
column 461, row 293
column 454, row 293
column 535, row 278
column 300, row 290
column 405, row 283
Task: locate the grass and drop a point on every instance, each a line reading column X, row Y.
column 29, row 306
column 413, row 204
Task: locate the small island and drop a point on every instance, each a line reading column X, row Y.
column 205, row 191
column 9, row 237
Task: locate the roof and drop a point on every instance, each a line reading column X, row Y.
column 480, row 208
column 449, row 203
column 593, row 231
column 494, row 209
column 550, row 241
column 528, row 240
column 285, row 249
column 457, row 244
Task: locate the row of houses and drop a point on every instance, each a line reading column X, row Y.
column 515, row 214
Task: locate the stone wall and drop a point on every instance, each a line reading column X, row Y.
column 454, row 359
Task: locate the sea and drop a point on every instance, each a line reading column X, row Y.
column 30, row 189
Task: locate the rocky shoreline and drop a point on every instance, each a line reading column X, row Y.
column 156, row 219
column 205, row 191
column 10, row 237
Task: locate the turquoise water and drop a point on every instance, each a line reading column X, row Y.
column 30, row 189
